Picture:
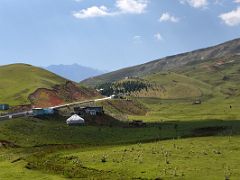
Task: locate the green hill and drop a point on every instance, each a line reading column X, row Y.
column 221, row 73
column 213, row 77
column 173, row 85
column 216, row 82
column 169, row 63
column 19, row 80
column 168, row 85
column 22, row 84
column 202, row 73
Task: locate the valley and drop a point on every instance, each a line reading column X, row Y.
column 177, row 120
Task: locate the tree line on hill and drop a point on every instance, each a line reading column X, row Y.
column 124, row 87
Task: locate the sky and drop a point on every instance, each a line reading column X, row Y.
column 111, row 34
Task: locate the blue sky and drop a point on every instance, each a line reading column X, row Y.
column 111, row 34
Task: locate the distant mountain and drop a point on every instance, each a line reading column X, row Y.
column 74, row 72
column 169, row 63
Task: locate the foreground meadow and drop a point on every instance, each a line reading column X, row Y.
column 193, row 158
column 49, row 149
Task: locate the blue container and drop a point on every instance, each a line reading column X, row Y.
column 4, row 107
column 42, row 111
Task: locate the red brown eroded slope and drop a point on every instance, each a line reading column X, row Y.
column 61, row 94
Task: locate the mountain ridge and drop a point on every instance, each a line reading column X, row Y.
column 231, row 47
column 74, row 72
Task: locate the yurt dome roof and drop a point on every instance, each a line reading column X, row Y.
column 75, row 119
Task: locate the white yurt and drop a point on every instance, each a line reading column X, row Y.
column 75, row 120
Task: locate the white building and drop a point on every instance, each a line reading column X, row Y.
column 75, row 120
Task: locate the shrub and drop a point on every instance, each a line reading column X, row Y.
column 104, row 159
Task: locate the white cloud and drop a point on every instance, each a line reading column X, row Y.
column 237, row 1
column 78, row 0
column 158, row 37
column 92, row 12
column 123, row 7
column 231, row 18
column 132, row 6
column 168, row 17
column 195, row 3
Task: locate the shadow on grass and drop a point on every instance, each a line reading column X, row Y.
column 106, row 130
column 198, row 128
column 155, row 131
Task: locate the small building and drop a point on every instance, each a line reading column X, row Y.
column 91, row 110
column 96, row 110
column 75, row 120
column 42, row 111
column 4, row 107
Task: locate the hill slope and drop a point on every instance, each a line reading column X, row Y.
column 211, row 77
column 19, row 81
column 169, row 63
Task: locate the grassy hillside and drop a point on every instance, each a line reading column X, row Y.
column 171, row 95
column 171, row 85
column 169, row 63
column 218, row 80
column 121, row 109
column 222, row 73
column 166, row 85
column 22, row 84
column 19, row 80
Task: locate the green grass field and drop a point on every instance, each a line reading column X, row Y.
column 50, row 149
column 184, row 110
column 19, row 171
column 194, row 158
